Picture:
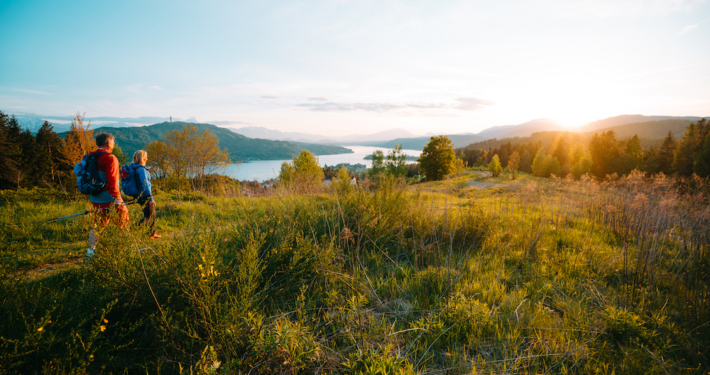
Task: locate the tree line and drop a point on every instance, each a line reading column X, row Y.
column 603, row 156
column 44, row 159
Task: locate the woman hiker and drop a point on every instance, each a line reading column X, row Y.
column 146, row 200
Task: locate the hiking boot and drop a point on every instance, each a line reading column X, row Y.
column 154, row 236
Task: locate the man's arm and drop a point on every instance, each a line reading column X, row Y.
column 113, row 177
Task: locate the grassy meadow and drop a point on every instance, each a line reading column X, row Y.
column 471, row 275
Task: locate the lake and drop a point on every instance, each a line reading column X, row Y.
column 263, row 170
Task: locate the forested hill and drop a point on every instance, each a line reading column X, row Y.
column 648, row 129
column 418, row 143
column 240, row 147
column 545, row 137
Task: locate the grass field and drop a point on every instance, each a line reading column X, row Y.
column 522, row 276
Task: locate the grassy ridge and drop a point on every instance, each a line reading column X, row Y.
column 535, row 276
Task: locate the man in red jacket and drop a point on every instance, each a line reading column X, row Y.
column 110, row 195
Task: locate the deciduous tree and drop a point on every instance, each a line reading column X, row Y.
column 537, row 164
column 396, row 161
column 378, row 163
column 303, row 174
column 80, row 139
column 437, row 159
column 494, row 166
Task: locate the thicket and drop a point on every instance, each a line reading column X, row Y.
column 558, row 276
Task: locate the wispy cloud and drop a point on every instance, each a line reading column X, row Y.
column 344, row 107
column 26, row 91
column 472, row 104
column 319, row 99
column 614, row 8
column 269, row 97
column 227, row 122
column 464, row 104
column 687, row 29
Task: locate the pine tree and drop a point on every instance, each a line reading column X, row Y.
column 526, row 162
column 53, row 165
column 702, row 159
column 8, row 151
column 666, row 154
column 687, row 147
column 634, row 150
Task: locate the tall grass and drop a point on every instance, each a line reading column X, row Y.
column 541, row 277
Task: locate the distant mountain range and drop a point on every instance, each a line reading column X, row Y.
column 352, row 139
column 63, row 123
column 649, row 128
column 629, row 119
column 240, row 148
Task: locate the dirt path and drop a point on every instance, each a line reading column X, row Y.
column 483, row 185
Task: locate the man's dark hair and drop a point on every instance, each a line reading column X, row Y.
column 103, row 138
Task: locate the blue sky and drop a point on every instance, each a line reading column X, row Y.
column 341, row 67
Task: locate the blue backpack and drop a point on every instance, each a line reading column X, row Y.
column 130, row 183
column 90, row 181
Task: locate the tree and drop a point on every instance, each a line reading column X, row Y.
column 396, row 161
column 550, row 166
column 437, row 159
column 120, row 155
column 702, row 159
column 582, row 166
column 494, row 167
column 634, row 150
column 8, row 151
column 186, row 152
column 513, row 163
column 526, row 162
column 378, row 163
column 537, row 164
column 561, row 151
column 27, row 160
column 79, row 140
column 666, row 154
column 605, row 150
column 158, row 158
column 53, row 164
column 342, row 181
column 687, row 147
column 303, row 174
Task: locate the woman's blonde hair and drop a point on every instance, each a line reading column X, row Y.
column 140, row 157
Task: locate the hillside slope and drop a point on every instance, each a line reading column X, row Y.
column 648, row 129
column 240, row 147
column 629, row 119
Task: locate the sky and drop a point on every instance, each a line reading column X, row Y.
column 344, row 67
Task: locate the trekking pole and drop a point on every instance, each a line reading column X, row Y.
column 88, row 212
